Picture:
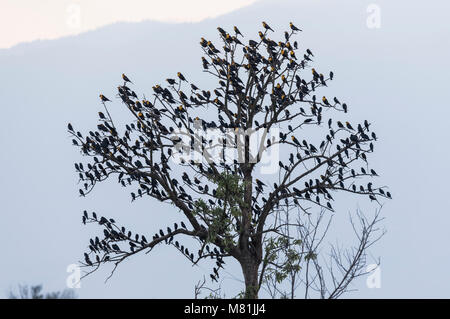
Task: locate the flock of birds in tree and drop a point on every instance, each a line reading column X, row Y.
column 260, row 86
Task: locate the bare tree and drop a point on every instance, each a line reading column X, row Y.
column 35, row 292
column 212, row 293
column 263, row 105
column 299, row 266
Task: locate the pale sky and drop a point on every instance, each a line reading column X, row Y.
column 394, row 75
column 28, row 20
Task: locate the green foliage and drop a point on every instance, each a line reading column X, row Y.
column 283, row 258
column 227, row 205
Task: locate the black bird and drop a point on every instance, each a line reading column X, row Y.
column 252, row 43
column 344, row 106
column 86, row 258
column 171, row 81
column 259, row 183
column 374, row 136
column 183, row 225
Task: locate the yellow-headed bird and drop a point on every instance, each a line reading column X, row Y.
column 104, row 98
column 266, row 26
column 182, row 78
column 236, row 30
column 295, row 140
column 125, row 78
column 293, row 27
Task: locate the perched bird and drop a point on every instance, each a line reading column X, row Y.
column 374, row 136
column 292, row 54
column 344, row 107
column 171, row 81
column 266, row 26
column 349, row 126
column 252, row 43
column 293, row 27
column 236, row 30
column 295, row 140
column 259, row 183
column 222, row 31
column 125, row 78
column 181, row 76
column 104, row 98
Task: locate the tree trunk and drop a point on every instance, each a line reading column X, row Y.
column 250, row 271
